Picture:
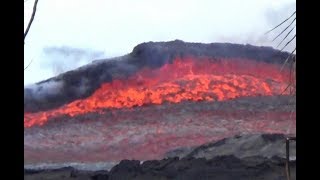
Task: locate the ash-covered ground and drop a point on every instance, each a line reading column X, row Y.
column 258, row 156
column 148, row 132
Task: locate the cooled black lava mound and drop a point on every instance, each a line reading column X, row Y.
column 82, row 82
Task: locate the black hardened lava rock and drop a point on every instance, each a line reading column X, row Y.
column 82, row 82
column 220, row 168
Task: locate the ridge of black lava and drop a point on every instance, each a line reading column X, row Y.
column 82, row 82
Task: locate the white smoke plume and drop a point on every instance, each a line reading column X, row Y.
column 64, row 58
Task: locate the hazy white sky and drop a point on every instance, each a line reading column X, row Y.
column 69, row 33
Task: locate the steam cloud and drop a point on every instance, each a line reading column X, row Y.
column 273, row 17
column 39, row 91
column 62, row 59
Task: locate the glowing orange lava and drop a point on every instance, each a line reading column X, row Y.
column 188, row 79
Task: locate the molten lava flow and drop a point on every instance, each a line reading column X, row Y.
column 186, row 79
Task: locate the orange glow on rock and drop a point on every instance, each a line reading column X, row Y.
column 188, row 79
